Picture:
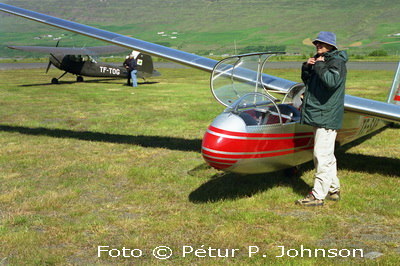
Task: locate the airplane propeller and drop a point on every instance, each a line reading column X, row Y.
column 48, row 66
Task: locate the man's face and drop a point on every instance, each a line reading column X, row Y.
column 322, row 48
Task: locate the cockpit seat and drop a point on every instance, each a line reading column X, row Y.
column 270, row 116
column 288, row 112
column 249, row 117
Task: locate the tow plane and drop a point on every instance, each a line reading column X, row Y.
column 85, row 62
column 259, row 131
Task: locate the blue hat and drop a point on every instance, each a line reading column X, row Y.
column 326, row 37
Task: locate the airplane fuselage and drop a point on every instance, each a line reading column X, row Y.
column 87, row 66
column 231, row 145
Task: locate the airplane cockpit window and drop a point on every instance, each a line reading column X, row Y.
column 75, row 58
column 81, row 58
column 238, row 82
column 91, row 59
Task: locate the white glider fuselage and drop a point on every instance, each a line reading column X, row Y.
column 233, row 146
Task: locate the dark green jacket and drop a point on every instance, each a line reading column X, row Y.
column 323, row 103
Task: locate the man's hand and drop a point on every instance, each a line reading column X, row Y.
column 311, row 61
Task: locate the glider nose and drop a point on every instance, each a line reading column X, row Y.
column 222, row 142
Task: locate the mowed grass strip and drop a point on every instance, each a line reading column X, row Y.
column 103, row 164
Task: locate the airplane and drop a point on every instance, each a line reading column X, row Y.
column 259, row 131
column 83, row 61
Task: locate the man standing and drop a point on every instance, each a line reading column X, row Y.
column 126, row 65
column 323, row 108
column 133, row 71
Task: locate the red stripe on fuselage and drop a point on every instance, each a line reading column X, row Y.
column 215, row 157
column 223, row 149
column 218, row 166
column 238, row 156
column 258, row 135
column 220, row 140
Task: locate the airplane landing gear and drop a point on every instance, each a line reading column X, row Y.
column 55, row 81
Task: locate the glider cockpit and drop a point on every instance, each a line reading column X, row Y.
column 258, row 109
column 251, row 99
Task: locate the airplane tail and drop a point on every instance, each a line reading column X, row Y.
column 145, row 64
column 394, row 95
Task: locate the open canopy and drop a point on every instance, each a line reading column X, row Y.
column 226, row 83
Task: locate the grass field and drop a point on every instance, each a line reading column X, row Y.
column 213, row 26
column 99, row 163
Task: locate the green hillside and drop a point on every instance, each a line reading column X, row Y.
column 216, row 26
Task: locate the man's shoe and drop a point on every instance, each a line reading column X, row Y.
column 335, row 196
column 310, row 201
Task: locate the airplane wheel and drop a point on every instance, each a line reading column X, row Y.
column 291, row 172
column 54, row 81
column 79, row 79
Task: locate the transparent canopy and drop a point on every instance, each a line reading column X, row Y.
column 239, row 82
column 235, row 76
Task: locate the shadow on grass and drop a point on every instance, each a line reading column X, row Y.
column 367, row 163
column 105, row 80
column 234, row 186
column 144, row 141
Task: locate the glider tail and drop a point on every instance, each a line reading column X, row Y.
column 394, row 95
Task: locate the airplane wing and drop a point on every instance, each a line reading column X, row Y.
column 180, row 57
column 94, row 50
column 121, row 40
column 381, row 110
column 368, row 107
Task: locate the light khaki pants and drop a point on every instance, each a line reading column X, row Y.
column 326, row 179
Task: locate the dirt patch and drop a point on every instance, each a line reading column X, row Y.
column 356, row 44
column 369, row 236
column 308, row 42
